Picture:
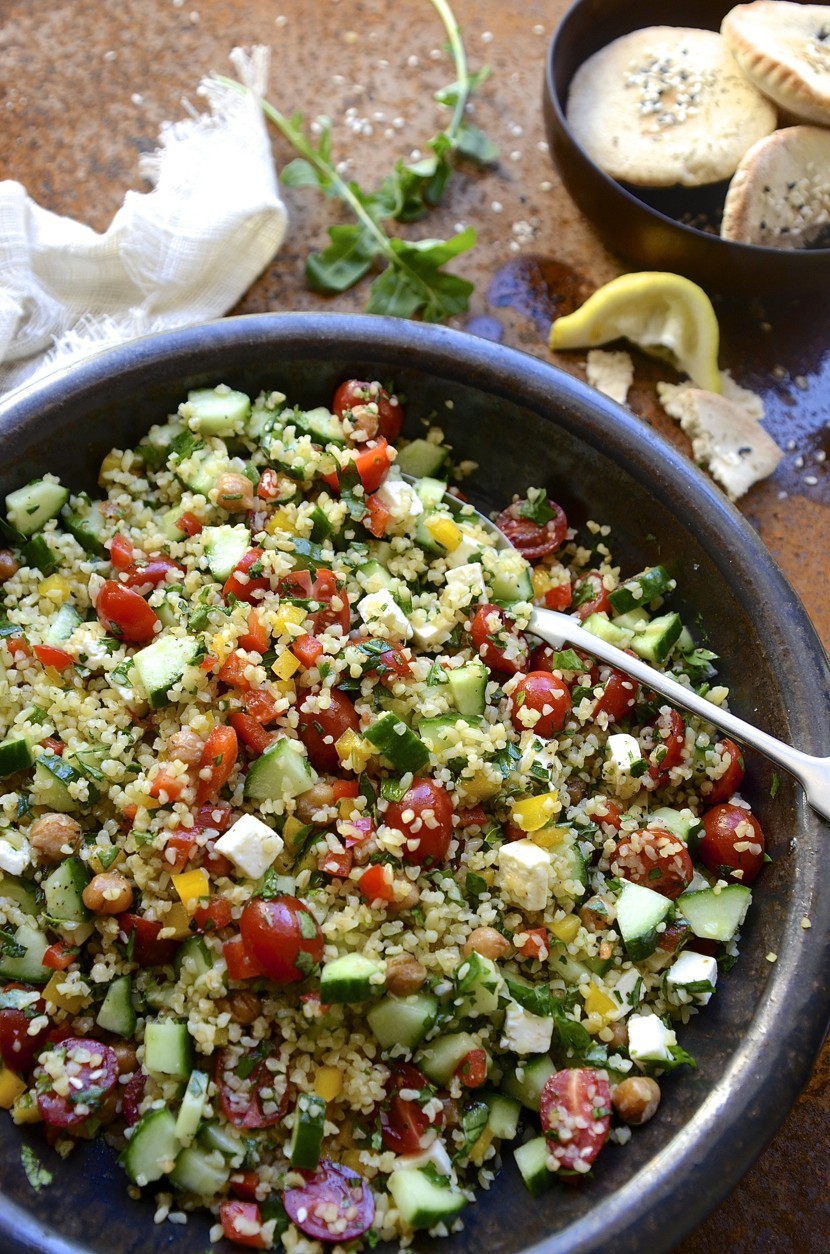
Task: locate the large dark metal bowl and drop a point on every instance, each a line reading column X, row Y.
column 651, row 226
column 525, row 423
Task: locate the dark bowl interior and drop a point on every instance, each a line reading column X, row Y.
column 525, row 423
column 644, row 225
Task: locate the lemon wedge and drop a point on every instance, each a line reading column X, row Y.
column 664, row 314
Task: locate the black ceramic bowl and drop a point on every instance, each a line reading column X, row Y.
column 525, row 423
column 644, row 226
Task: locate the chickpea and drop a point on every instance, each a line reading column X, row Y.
column 55, row 837
column 315, row 798
column 404, row 975
column 487, row 942
column 185, row 746
column 234, row 493
column 619, row 1035
column 242, row 1005
column 108, row 893
column 409, row 897
column 576, row 790
column 636, row 1099
column 127, row 1060
column 9, row 565
column 597, row 913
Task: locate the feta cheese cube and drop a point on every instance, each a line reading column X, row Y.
column 13, row 860
column 623, row 752
column 463, row 585
column 435, row 1155
column 250, row 845
column 403, row 503
column 433, row 632
column 465, row 551
column 382, row 608
column 524, row 874
column 649, row 1040
column 691, row 970
column 526, row 1033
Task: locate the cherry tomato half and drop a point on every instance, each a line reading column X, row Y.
column 531, row 538
column 402, row 1119
column 590, row 595
column 733, row 776
column 246, row 581
column 546, row 696
column 18, row 1049
column 124, row 614
column 575, row 1111
column 92, row 1068
column 618, row 697
column 151, row 574
column 732, row 844
column 283, row 936
column 319, row 730
column 424, row 815
column 370, row 400
column 500, row 646
column 335, row 1204
column 242, row 1224
column 245, row 1093
column 655, row 859
column 669, row 744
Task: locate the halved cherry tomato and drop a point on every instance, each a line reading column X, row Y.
column 356, row 394
column 319, row 730
column 377, row 883
column 386, row 664
column 151, row 574
column 670, row 742
column 732, row 844
column 733, row 776
column 497, row 642
column 213, row 915
column 307, row 650
column 131, row 1097
column 241, row 1079
column 251, row 732
column 240, row 963
column 575, row 1111
column 558, row 597
column 283, row 936
column 376, row 517
column 402, row 1119
column 472, row 1070
column 121, row 551
column 609, row 812
column 146, row 949
column 246, row 580
column 60, row 956
column 334, row 1204
column 324, row 589
column 189, row 524
column 590, row 596
column 54, row 746
column 245, row 1184
column 536, row 943
column 429, row 829
column 217, row 762
column 533, row 539
column 125, row 614
column 50, row 655
column 179, row 848
column 256, row 637
column 472, row 816
column 655, row 859
column 618, row 697
column 372, row 466
column 274, row 487
column 18, row 1049
column 547, row 696
column 94, row 1067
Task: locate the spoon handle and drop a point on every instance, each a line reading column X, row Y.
column 812, row 773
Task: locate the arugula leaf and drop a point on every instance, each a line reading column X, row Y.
column 347, row 259
column 536, row 507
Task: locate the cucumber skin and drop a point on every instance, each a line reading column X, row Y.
column 152, row 1145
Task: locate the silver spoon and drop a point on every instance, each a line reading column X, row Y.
column 557, row 629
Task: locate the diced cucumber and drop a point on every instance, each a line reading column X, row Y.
column 307, row 1135
column 505, row 1113
column 15, row 755
column 168, row 524
column 525, row 1082
column 53, row 775
column 201, row 470
column 63, row 624
column 421, row 1201
column 421, row 459
column 403, row 1020
column 681, row 823
column 640, row 911
column 350, row 978
column 192, row 1109
column 156, row 445
column 478, row 983
column 23, row 960
column 569, row 864
column 532, row 1161
column 38, row 555
column 201, row 1172
column 374, row 576
column 716, row 914
column 440, row 734
column 439, row 1059
column 468, row 685
column 63, row 890
column 193, row 958
column 167, row 1048
column 405, row 750
column 224, row 548
column 323, row 426
column 321, row 525
column 88, row 525
column 153, row 1146
column 222, row 1137
column 30, row 508
column 656, row 641
column 21, row 892
column 117, row 1013
column 571, row 970
column 162, row 664
column 600, row 625
column 281, row 772
column 431, row 491
column 640, row 591
column 216, row 411
column 511, row 579
column 633, row 621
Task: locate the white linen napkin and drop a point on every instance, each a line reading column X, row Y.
column 180, row 254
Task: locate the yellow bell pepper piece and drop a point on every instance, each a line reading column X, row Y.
column 328, row 1083
column 291, row 830
column 481, row 1147
column 534, row 812
column 549, row 837
column 56, row 589
column 25, row 1108
column 71, row 1002
column 281, row 520
column 540, row 581
column 287, row 616
column 176, row 923
column 480, row 787
column 286, row 665
column 12, row 1086
column 444, row 532
column 566, row 929
column 191, row 887
column 114, row 857
column 599, row 1003
column 352, row 750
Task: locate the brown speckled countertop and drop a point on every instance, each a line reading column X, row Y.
column 83, row 90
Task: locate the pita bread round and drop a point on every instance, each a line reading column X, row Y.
column 665, row 106
column 785, row 50
column 780, row 195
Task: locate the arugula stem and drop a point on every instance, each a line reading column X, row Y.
column 459, row 57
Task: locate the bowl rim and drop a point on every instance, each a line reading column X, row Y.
column 747, row 253
column 701, row 1163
